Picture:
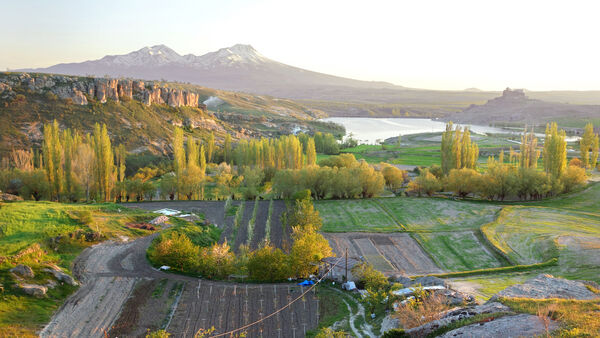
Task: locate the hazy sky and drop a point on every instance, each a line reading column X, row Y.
column 538, row 45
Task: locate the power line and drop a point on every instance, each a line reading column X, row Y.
column 280, row 309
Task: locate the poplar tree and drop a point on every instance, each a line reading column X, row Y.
column 210, row 147
column 555, row 151
column 120, row 155
column 529, row 154
column 227, row 156
column 311, row 152
column 457, row 149
column 589, row 141
column 104, row 162
column 53, row 155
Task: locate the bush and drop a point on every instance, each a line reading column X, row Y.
column 174, row 250
column 268, row 264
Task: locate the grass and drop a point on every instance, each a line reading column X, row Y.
column 438, row 214
column 587, row 200
column 535, row 234
column 26, row 230
column 355, row 215
column 332, row 309
column 579, row 317
column 457, row 251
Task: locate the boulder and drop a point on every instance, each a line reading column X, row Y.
column 547, row 286
column 33, row 289
column 61, row 276
column 522, row 325
column 160, row 220
column 23, row 271
column 4, row 197
column 454, row 315
column 429, row 281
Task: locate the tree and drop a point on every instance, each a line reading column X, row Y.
column 34, row 184
column 311, row 152
column 328, row 332
column 227, row 155
column 22, row 159
column 268, row 264
column 457, row 149
column 368, row 277
column 555, row 151
column 589, row 142
column 253, row 178
column 175, row 250
column 426, row 183
column 168, row 185
column 103, row 162
column 308, row 249
column 303, row 214
column 394, row 177
column 190, row 183
column 216, row 261
column 83, row 167
column 463, row 181
column 53, row 156
column 529, row 154
column 210, row 147
column 120, row 154
column 573, row 177
column 178, row 154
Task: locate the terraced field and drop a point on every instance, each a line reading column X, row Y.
column 536, row 234
column 355, row 215
column 438, row 214
column 457, row 251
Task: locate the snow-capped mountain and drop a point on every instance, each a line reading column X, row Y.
column 239, row 68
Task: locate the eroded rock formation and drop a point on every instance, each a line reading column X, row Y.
column 81, row 89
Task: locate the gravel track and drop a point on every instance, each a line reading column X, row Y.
column 110, row 271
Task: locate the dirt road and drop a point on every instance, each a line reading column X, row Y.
column 122, row 295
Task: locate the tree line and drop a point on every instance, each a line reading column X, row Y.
column 519, row 178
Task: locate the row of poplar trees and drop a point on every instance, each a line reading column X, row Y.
column 74, row 163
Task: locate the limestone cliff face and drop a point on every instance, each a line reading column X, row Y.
column 80, row 89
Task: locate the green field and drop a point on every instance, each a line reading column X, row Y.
column 439, row 214
column 457, row 251
column 536, row 234
column 25, row 232
column 355, row 215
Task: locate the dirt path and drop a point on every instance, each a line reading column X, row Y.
column 120, row 291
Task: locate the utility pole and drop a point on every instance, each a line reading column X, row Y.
column 346, row 264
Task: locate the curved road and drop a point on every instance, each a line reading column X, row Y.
column 109, row 271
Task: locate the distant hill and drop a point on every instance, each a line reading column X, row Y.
column 515, row 108
column 140, row 114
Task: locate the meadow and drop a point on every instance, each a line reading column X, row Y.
column 48, row 233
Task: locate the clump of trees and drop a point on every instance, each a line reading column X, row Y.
column 457, row 150
column 204, row 256
column 519, row 178
column 341, row 177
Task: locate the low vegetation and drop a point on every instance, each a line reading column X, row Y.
column 42, row 234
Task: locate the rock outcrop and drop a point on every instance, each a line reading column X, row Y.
column 23, row 271
column 33, row 289
column 457, row 315
column 81, row 89
column 522, row 325
column 546, row 286
column 61, row 276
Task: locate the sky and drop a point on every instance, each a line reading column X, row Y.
column 537, row 45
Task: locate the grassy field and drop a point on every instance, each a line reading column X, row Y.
column 535, row 234
column 438, row 214
column 25, row 233
column 355, row 215
column 457, row 251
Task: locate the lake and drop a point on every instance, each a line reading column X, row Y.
column 369, row 130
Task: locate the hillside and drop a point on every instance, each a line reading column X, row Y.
column 140, row 114
column 515, row 108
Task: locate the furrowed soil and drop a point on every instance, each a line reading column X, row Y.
column 390, row 253
column 122, row 295
column 214, row 212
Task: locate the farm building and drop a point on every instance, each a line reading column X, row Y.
column 338, row 272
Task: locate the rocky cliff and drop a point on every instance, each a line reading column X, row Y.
column 82, row 89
